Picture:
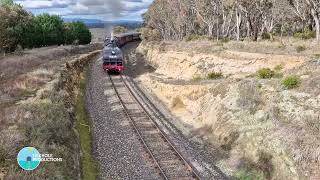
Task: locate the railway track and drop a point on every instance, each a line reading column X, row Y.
column 167, row 159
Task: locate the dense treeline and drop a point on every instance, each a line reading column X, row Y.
column 20, row 28
column 234, row 19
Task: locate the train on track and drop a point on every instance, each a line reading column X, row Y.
column 112, row 55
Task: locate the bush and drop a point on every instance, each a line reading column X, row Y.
column 215, row 75
column 15, row 21
column 305, row 34
column 265, row 73
column 300, row 48
column 260, row 170
column 266, row 35
column 225, row 40
column 291, row 82
column 120, row 29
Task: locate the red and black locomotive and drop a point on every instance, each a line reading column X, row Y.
column 113, row 59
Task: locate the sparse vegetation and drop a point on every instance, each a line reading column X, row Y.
column 215, row 75
column 278, row 67
column 249, row 94
column 89, row 165
column 194, row 37
column 306, row 34
column 149, row 34
column 300, row 48
column 265, row 73
column 196, row 78
column 291, row 82
column 317, row 56
column 260, row 170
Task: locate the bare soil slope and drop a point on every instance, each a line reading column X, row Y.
column 267, row 130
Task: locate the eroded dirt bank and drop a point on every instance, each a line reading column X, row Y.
column 265, row 129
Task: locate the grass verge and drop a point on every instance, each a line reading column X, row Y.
column 88, row 163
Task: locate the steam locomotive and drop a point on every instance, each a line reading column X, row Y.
column 113, row 59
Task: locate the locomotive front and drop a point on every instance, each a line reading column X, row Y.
column 113, row 59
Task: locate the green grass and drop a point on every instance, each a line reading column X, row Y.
column 291, row 82
column 88, row 163
column 244, row 174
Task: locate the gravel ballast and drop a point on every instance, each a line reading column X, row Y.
column 116, row 146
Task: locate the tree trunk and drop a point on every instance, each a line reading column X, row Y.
column 210, row 30
column 238, row 24
column 316, row 20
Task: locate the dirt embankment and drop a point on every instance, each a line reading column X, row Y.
column 38, row 111
column 267, row 130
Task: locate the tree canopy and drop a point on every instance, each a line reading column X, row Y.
column 21, row 28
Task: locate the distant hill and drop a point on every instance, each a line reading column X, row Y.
column 97, row 23
column 89, row 22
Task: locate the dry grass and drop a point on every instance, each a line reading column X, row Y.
column 29, row 118
column 249, row 94
column 286, row 46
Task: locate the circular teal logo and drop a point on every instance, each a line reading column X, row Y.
column 29, row 158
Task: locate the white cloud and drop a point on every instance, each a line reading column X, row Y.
column 101, row 8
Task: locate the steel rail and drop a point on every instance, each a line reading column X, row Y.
column 136, row 129
column 189, row 165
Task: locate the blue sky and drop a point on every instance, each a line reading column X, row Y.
column 107, row 10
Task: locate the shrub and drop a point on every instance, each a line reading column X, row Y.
column 215, row 75
column 260, row 170
column 265, row 73
column 305, row 34
column 266, row 35
column 225, row 40
column 300, row 48
column 291, row 82
column 317, row 56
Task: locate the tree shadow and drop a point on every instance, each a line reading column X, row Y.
column 136, row 63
